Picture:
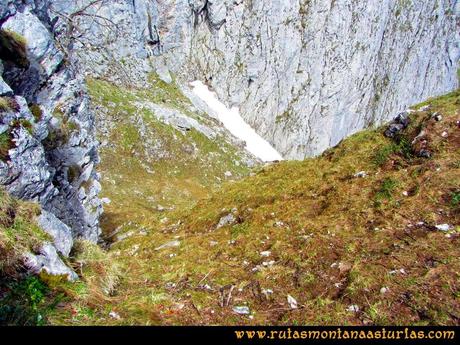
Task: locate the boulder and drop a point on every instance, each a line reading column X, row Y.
column 48, row 261
column 60, row 232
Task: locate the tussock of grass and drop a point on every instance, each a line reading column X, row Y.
column 61, row 134
column 23, row 300
column 18, row 232
column 93, row 295
column 37, row 112
column 5, row 145
column 386, row 190
column 99, row 270
column 8, row 104
column 4, row 104
column 26, row 124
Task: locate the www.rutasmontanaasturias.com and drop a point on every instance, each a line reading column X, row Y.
column 341, row 334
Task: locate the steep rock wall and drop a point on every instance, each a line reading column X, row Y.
column 317, row 71
column 48, row 143
column 305, row 73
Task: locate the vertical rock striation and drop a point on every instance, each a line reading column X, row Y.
column 318, row 71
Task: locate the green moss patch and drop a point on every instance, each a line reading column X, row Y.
column 6, row 144
column 36, row 111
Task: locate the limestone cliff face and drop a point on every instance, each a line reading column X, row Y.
column 317, row 71
column 305, row 73
column 49, row 151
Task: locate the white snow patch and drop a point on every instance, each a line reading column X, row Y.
column 235, row 124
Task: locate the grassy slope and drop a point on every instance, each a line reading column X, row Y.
column 137, row 178
column 144, row 179
column 335, row 241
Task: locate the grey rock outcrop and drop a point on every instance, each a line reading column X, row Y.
column 177, row 119
column 5, row 89
column 52, row 151
column 61, row 233
column 399, row 123
column 49, row 261
column 318, row 71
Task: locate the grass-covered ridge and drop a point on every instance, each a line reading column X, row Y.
column 349, row 249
